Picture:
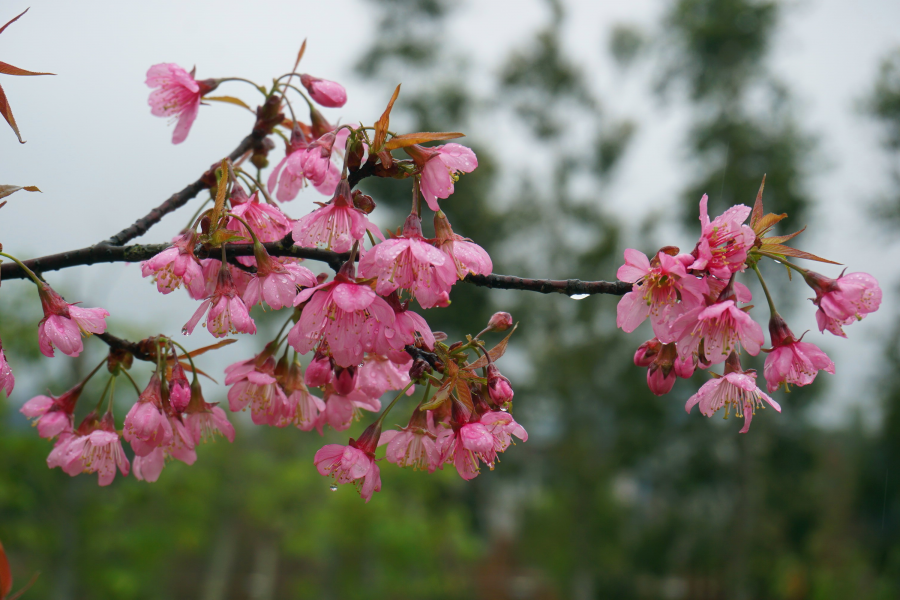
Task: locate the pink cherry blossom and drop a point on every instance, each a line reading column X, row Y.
column 276, row 281
column 736, row 390
column 440, row 167
column 473, row 441
column 792, row 361
column 658, row 285
column 467, row 256
column 724, row 242
column 95, row 448
column 336, row 312
column 178, row 95
column 179, row 389
column 411, row 263
column 146, row 425
column 319, row 372
column 334, row 226
column 380, row 374
column 176, row 265
column 54, row 415
column 304, row 408
column 205, row 424
column 253, row 383
column 722, row 328
column 843, row 300
column 414, row 445
column 325, row 93
column 7, row 381
column 148, row 467
column 64, row 324
column 267, row 221
column 349, row 464
column 390, row 340
column 500, row 321
column 290, row 169
column 227, row 312
column 340, row 411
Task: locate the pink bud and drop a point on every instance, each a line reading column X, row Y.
column 647, row 352
column 499, row 387
column 324, row 92
column 660, row 380
column 345, row 380
column 501, row 321
column 319, row 372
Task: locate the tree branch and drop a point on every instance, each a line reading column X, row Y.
column 285, row 247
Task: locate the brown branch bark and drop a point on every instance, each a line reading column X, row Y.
column 136, row 253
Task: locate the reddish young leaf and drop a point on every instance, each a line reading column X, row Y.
column 381, row 126
column 496, row 352
column 5, row 574
column 464, row 395
column 14, row 19
column 780, row 239
column 299, row 56
column 757, row 213
column 408, row 139
column 6, row 110
column 8, row 69
column 767, row 222
column 788, row 251
column 229, row 100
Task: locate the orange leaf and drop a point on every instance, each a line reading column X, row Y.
column 6, row 190
column 439, row 397
column 206, row 349
column 381, row 126
column 788, row 251
column 6, row 110
column 8, row 69
column 408, row 139
column 496, row 352
column 757, row 213
column 780, row 239
column 5, row 573
column 767, row 222
column 13, row 20
column 229, row 100
column 299, row 56
column 464, row 395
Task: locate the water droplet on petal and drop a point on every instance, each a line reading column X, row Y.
column 333, row 487
column 504, row 409
column 579, row 296
column 361, row 365
column 184, row 331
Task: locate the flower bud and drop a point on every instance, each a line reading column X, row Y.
column 647, row 352
column 418, row 368
column 344, row 380
column 499, row 387
column 324, row 92
column 363, row 202
column 500, row 321
column 319, row 372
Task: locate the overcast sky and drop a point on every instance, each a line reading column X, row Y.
column 102, row 160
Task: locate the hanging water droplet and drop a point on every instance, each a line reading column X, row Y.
column 333, row 487
column 504, row 409
column 184, row 331
column 361, row 365
column 579, row 296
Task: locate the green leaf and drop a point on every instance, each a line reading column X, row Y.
column 229, row 100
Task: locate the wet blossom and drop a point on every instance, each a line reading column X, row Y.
column 319, row 372
column 203, row 420
column 440, row 167
column 353, row 463
column 323, row 92
column 181, row 447
column 410, row 262
column 499, row 386
column 267, row 221
column 468, row 257
column 287, row 178
column 227, row 312
column 414, row 445
column 724, row 241
column 307, row 160
column 54, row 415
column 336, row 312
column 380, row 374
column 390, row 339
column 253, row 383
column 735, row 390
column 176, row 265
column 64, row 324
column 334, row 226
column 276, row 281
column 94, row 448
column 792, row 361
column 843, row 300
column 502, row 428
column 341, row 410
column 464, row 448
column 147, row 427
column 7, row 381
column 303, row 407
column 663, row 364
column 722, row 328
column 178, row 95
column 658, row 286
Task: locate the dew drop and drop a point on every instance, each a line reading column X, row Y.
column 333, row 487
column 361, row 365
column 504, row 409
column 579, row 296
column 184, row 331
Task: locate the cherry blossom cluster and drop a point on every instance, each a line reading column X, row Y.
column 357, row 329
column 700, row 318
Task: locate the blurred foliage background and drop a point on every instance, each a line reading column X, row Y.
column 617, row 494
